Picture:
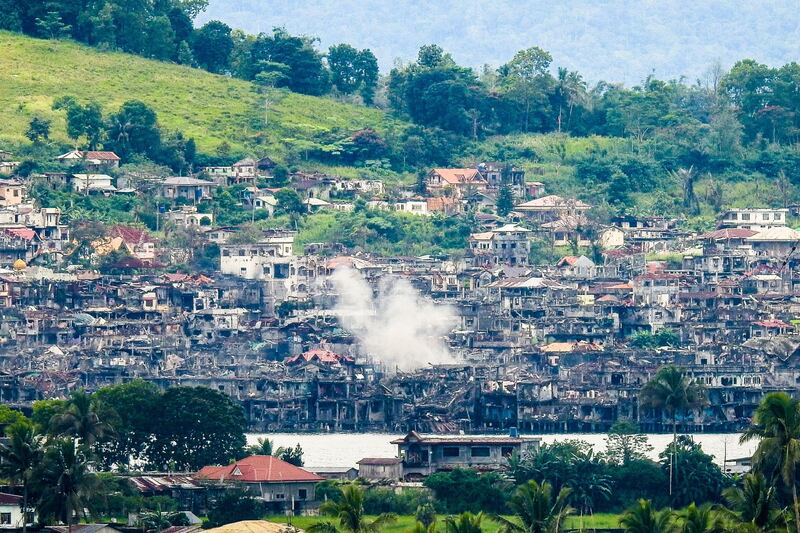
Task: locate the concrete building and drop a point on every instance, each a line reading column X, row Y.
column 508, row 244
column 425, row 455
column 752, row 218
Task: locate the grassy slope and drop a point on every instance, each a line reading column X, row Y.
column 208, row 107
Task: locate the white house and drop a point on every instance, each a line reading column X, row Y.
column 11, row 512
column 92, row 183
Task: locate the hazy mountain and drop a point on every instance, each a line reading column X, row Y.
column 614, row 40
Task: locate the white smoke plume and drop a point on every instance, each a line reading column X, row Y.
column 398, row 327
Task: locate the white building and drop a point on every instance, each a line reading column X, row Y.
column 188, row 217
column 751, row 218
column 92, row 183
column 268, row 259
column 11, row 516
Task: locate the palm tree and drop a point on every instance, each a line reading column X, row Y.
column 155, row 521
column 754, row 504
column 570, row 90
column 80, row 419
column 64, row 481
column 687, row 177
column 703, row 519
column 262, row 447
column 589, row 484
column 349, row 509
column 419, row 527
column 464, row 523
column 19, row 458
column 642, row 518
column 776, row 423
column 536, row 510
column 674, row 392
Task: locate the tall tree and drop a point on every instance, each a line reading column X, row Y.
column 505, row 199
column 132, row 408
column 526, row 77
column 212, row 45
column 81, row 419
column 64, row 481
column 196, row 427
column 19, row 459
column 38, row 130
column 626, row 443
column 307, row 72
column 134, row 130
column 674, row 393
column 776, row 426
column 83, row 121
column 342, row 63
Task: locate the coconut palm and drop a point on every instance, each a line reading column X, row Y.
column 262, row 447
column 703, row 519
column 776, row 425
column 80, row 419
column 672, row 391
column 19, row 458
column 419, row 527
column 464, row 523
column 753, row 505
column 536, row 510
column 64, row 481
column 156, row 520
column 349, row 509
column 642, row 518
column 570, row 90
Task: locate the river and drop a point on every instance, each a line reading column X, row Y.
column 345, row 449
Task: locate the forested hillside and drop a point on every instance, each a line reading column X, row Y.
column 213, row 109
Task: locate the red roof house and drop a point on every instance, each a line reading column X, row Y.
column 258, row 469
column 267, row 477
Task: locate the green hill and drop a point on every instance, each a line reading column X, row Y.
column 208, row 107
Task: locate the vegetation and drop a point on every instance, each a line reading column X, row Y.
column 226, row 117
column 776, row 425
column 674, row 393
column 348, row 508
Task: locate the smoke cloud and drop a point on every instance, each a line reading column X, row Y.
column 398, row 327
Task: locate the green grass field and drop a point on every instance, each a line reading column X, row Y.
column 208, row 107
column 406, row 523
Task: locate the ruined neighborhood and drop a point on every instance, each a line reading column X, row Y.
column 325, row 338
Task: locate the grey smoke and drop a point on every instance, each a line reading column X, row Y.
column 398, row 326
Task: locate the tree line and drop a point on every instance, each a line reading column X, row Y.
column 523, row 95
